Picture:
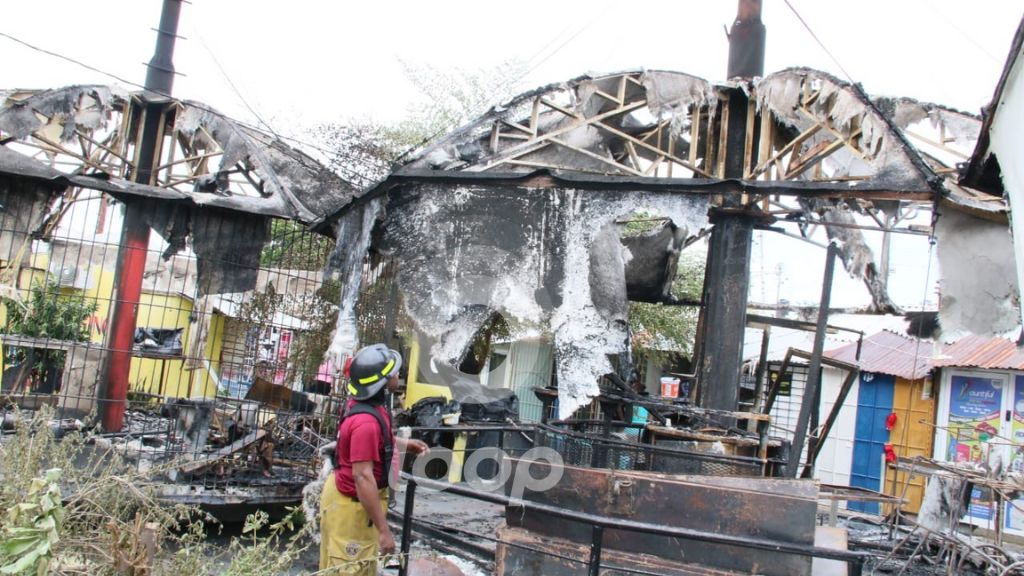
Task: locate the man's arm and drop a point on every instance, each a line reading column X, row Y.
column 417, row 447
column 369, row 497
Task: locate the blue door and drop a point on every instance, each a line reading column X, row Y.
column 874, row 404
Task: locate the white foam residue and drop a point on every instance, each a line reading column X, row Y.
column 346, row 335
column 526, row 254
column 978, row 276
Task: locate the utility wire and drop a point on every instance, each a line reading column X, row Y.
column 349, row 173
column 505, row 88
column 952, row 24
column 72, row 60
column 818, row 40
column 235, row 89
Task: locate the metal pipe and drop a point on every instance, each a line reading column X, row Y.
column 759, row 373
column 594, row 566
column 814, row 368
column 410, row 501
column 747, row 41
column 160, row 76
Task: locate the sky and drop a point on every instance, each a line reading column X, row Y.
column 304, row 62
column 297, row 64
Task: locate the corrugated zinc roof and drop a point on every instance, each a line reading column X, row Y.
column 886, row 352
column 991, row 352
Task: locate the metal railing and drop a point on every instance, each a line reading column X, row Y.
column 854, row 560
column 588, row 450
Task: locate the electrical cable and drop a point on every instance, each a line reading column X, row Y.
column 818, row 40
column 350, row 174
column 73, row 61
column 235, row 89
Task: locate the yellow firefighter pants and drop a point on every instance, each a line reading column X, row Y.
column 348, row 539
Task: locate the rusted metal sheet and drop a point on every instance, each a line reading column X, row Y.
column 757, row 508
column 888, row 353
column 983, row 352
column 523, row 553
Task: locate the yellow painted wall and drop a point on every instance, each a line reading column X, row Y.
column 156, row 310
column 910, row 437
column 170, row 377
column 416, row 390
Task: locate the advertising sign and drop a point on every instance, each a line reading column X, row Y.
column 975, row 406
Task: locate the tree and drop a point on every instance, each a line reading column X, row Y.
column 292, row 247
column 364, row 151
column 658, row 329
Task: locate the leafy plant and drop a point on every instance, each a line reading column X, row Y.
column 48, row 313
column 320, row 317
column 659, row 330
column 32, row 528
column 271, row 554
column 105, row 500
column 292, row 247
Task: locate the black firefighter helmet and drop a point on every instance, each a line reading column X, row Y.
column 370, row 369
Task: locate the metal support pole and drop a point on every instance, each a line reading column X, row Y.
column 814, row 368
column 410, row 500
column 747, row 41
column 726, row 312
column 134, row 244
column 759, row 375
column 594, row 566
column 160, row 76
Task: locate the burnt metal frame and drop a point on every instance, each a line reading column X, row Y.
column 111, row 152
column 854, row 560
column 605, row 444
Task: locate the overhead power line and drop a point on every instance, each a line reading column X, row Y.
column 346, row 173
column 820, row 43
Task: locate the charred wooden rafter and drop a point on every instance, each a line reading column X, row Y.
column 88, row 131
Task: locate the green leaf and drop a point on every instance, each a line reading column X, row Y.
column 16, row 546
column 28, row 560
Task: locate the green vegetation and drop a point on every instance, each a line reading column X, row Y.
column 658, row 330
column 48, row 313
column 292, row 247
column 72, row 508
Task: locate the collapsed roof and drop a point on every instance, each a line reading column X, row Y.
column 818, row 151
column 87, row 134
column 217, row 182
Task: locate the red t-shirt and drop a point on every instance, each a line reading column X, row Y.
column 360, row 440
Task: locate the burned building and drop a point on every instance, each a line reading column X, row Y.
column 216, row 349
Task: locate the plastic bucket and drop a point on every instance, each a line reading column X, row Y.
column 670, row 387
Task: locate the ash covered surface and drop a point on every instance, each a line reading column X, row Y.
column 549, row 260
column 879, row 538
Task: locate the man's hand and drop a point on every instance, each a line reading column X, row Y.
column 417, row 447
column 385, row 542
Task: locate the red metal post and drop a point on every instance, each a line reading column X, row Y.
column 135, row 231
column 134, row 244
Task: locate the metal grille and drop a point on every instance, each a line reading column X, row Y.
column 198, row 353
column 588, row 450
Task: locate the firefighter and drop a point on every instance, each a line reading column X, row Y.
column 353, row 505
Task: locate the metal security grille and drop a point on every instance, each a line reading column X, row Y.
column 227, row 383
column 589, row 450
